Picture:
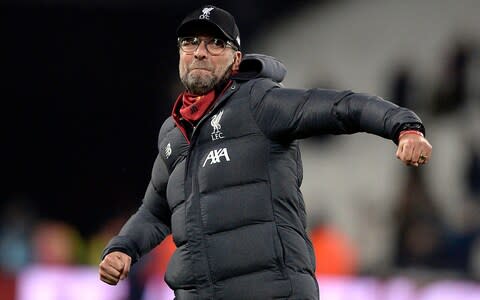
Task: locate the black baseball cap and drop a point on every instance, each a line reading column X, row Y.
column 210, row 17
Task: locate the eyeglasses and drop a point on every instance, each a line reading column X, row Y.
column 215, row 46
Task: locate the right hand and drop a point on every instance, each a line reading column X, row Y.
column 114, row 267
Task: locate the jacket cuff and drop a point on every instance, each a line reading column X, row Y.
column 409, row 126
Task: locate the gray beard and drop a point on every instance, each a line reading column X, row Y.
column 201, row 85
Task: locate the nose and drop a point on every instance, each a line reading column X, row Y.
column 201, row 51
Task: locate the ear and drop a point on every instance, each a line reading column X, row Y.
column 237, row 59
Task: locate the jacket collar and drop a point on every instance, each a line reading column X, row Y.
column 231, row 88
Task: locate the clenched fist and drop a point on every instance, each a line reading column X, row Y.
column 413, row 149
column 114, row 267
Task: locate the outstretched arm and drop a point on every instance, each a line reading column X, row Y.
column 291, row 114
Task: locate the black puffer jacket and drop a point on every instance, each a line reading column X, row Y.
column 229, row 190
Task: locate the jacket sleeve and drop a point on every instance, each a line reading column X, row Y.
column 151, row 223
column 284, row 113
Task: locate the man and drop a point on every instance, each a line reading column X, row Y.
column 226, row 181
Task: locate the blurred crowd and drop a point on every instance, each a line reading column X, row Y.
column 425, row 237
column 424, row 240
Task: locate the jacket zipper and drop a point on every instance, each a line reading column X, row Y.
column 192, row 140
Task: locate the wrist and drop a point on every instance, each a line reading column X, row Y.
column 415, row 126
column 409, row 131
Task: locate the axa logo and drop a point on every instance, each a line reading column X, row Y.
column 215, row 156
column 215, row 122
column 206, row 13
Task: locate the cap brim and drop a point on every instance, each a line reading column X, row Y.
column 196, row 26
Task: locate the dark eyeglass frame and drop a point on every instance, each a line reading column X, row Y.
column 208, row 43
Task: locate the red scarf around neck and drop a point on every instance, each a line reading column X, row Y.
column 194, row 107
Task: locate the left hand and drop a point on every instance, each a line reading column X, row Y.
column 414, row 150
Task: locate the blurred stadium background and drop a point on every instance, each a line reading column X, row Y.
column 87, row 85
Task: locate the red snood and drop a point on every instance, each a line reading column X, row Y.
column 194, row 107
